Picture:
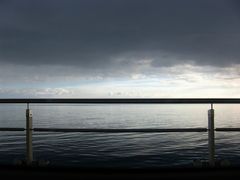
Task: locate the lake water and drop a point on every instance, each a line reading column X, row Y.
column 144, row 150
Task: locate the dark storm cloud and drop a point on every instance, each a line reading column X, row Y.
column 94, row 33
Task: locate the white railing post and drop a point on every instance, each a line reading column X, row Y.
column 211, row 140
column 29, row 152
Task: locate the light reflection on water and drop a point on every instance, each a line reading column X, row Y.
column 119, row 150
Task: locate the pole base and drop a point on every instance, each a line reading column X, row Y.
column 205, row 163
column 40, row 163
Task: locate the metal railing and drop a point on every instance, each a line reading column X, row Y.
column 211, row 130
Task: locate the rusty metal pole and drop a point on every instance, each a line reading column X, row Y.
column 29, row 152
column 211, row 137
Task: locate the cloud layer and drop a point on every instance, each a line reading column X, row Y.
column 113, row 48
column 96, row 34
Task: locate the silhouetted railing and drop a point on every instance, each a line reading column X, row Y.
column 211, row 136
column 130, row 100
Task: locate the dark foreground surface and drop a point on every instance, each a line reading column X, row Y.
column 76, row 173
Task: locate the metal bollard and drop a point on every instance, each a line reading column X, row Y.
column 211, row 140
column 29, row 152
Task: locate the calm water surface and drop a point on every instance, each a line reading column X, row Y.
column 119, row 150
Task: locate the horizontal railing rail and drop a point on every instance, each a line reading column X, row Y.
column 11, row 129
column 228, row 129
column 211, row 137
column 130, row 100
column 142, row 130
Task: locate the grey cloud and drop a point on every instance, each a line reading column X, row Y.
column 93, row 34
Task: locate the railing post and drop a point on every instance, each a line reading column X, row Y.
column 29, row 152
column 211, row 140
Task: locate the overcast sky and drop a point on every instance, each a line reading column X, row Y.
column 119, row 48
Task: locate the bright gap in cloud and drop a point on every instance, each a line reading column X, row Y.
column 173, row 82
